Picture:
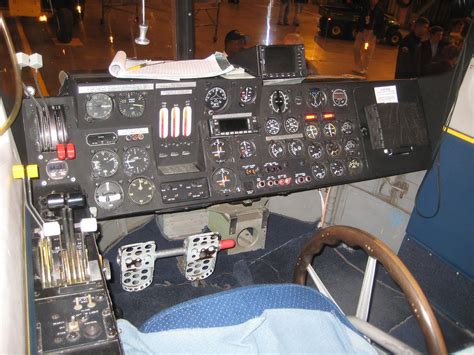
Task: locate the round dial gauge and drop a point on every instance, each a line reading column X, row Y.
column 351, row 146
column 108, row 195
column 339, row 97
column 104, row 163
column 278, row 101
column 354, row 164
column 315, row 150
column 141, row 190
column 276, row 150
column 333, row 149
column 292, row 125
column 99, row 106
column 272, row 126
column 216, row 98
column 247, row 95
column 319, row 171
column 330, row 129
column 295, row 147
column 347, row 127
column 219, row 150
column 57, row 169
column 247, row 149
column 224, row 180
column 337, row 168
column 317, row 97
column 136, row 160
column 131, row 104
column 311, row 131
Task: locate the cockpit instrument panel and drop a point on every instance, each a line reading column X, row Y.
column 136, row 147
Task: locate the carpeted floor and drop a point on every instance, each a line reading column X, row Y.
column 340, row 268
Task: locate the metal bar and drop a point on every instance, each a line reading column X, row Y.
column 184, row 25
column 363, row 305
column 320, row 285
column 160, row 254
column 381, row 338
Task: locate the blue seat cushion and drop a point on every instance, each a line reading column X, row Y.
column 239, row 305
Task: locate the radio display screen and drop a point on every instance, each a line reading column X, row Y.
column 280, row 59
column 233, row 125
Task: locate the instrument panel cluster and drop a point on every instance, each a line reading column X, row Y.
column 146, row 146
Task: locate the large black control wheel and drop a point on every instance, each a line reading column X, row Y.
column 381, row 253
column 65, row 25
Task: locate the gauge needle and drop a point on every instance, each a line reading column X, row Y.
column 140, row 187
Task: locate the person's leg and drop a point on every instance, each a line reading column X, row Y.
column 358, row 43
column 298, row 10
column 284, row 10
column 368, row 50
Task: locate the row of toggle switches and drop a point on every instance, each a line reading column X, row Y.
column 175, row 123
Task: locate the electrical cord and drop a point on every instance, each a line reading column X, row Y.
column 436, row 158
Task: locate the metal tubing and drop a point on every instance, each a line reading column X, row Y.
column 363, row 304
column 168, row 253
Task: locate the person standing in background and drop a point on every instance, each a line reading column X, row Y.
column 409, row 50
column 431, row 49
column 369, row 26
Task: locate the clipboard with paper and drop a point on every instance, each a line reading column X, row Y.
column 214, row 65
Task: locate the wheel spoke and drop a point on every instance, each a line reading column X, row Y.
column 363, row 305
column 320, row 285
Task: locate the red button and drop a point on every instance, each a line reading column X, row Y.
column 61, row 151
column 226, row 244
column 71, row 151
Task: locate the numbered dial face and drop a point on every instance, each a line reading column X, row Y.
column 109, row 195
column 224, row 180
column 219, row 150
column 216, row 98
column 104, row 163
column 296, row 147
column 99, row 106
column 131, row 104
column 317, row 97
column 141, row 190
column 136, row 160
column 330, row 130
column 272, row 126
column 277, row 150
column 315, row 150
column 347, row 127
column 247, row 149
column 333, row 149
column 355, row 164
column 247, row 95
column 292, row 125
column 319, row 171
column 351, row 146
column 311, row 131
column 339, row 97
column 279, row 101
column 337, row 168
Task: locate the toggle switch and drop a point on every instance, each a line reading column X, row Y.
column 70, row 151
column 61, row 151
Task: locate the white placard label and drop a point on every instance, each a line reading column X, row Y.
column 131, row 131
column 386, row 94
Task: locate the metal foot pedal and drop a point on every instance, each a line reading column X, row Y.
column 200, row 252
column 137, row 264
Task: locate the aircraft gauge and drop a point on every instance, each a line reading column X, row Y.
column 317, row 97
column 339, row 97
column 109, row 195
column 224, row 180
column 292, row 125
column 141, row 190
column 99, row 106
column 131, row 104
column 216, row 98
column 104, row 163
column 279, row 101
column 135, row 160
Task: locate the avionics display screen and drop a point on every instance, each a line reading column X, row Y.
column 280, row 59
column 233, row 125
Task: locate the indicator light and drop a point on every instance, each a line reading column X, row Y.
column 310, row 117
column 328, row 116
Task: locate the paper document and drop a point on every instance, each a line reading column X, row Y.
column 214, row 65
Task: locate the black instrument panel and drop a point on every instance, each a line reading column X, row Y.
column 136, row 147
